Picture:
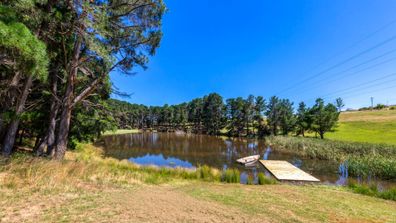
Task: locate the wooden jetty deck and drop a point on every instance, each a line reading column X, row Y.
column 283, row 170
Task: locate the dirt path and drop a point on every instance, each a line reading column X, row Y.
column 141, row 204
column 192, row 202
column 164, row 204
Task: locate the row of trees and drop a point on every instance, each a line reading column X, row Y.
column 251, row 116
column 55, row 60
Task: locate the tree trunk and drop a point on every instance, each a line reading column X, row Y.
column 9, row 139
column 51, row 129
column 49, row 138
column 64, row 124
column 63, row 133
column 321, row 135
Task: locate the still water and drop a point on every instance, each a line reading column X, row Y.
column 190, row 151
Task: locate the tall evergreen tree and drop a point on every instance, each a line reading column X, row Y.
column 324, row 117
column 287, row 120
column 24, row 57
column 273, row 114
column 213, row 114
column 303, row 119
column 109, row 35
column 236, row 116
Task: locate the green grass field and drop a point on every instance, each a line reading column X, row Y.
column 366, row 126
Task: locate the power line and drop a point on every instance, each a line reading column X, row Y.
column 375, row 91
column 359, row 86
column 363, row 85
column 353, row 67
column 362, row 91
column 364, row 69
column 341, row 63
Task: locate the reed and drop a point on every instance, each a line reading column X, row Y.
column 230, row 176
column 87, row 164
column 262, row 179
column 328, row 149
column 363, row 159
column 249, row 180
column 372, row 165
column 207, row 173
column 372, row 190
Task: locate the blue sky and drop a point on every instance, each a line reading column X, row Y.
column 293, row 49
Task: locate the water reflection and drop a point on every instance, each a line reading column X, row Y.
column 267, row 152
column 343, row 174
column 190, row 151
column 160, row 160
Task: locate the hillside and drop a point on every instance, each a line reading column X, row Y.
column 378, row 126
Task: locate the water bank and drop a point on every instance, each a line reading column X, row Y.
column 89, row 187
column 191, row 151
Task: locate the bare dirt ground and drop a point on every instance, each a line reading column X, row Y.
column 141, row 204
column 191, row 202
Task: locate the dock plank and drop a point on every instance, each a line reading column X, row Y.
column 283, row 170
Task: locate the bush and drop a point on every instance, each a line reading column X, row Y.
column 262, row 179
column 230, row 176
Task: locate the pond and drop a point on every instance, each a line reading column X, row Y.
column 190, row 151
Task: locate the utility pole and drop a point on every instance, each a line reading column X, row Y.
column 372, row 102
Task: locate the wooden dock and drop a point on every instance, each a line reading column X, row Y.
column 283, row 170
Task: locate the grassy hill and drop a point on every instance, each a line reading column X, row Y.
column 378, row 126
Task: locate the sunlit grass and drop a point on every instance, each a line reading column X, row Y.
column 122, row 131
column 378, row 126
column 290, row 203
column 365, row 131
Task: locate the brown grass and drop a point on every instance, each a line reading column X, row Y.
column 368, row 116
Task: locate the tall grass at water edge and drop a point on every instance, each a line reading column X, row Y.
column 372, row 190
column 362, row 159
column 88, row 165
